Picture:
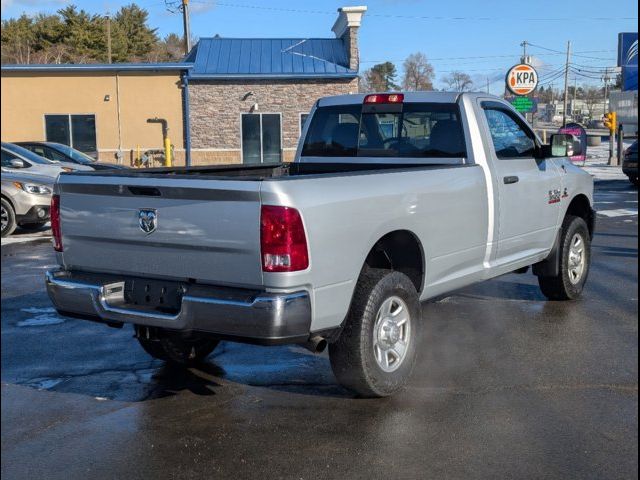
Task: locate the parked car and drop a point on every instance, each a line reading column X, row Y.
column 339, row 247
column 64, row 153
column 630, row 163
column 16, row 158
column 26, row 199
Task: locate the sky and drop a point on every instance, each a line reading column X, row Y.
column 481, row 38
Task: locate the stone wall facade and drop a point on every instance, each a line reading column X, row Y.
column 216, row 107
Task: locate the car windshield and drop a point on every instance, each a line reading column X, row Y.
column 418, row 130
column 27, row 154
column 76, row 155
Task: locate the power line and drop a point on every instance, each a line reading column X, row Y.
column 410, row 17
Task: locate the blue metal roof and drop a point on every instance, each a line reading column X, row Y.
column 97, row 67
column 220, row 58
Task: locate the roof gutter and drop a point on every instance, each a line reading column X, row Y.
column 276, row 76
column 89, row 67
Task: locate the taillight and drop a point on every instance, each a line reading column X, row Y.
column 55, row 223
column 283, row 242
column 384, row 98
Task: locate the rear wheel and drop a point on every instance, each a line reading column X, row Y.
column 172, row 348
column 8, row 218
column 376, row 351
column 575, row 260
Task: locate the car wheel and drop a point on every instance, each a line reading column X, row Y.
column 8, row 218
column 376, row 350
column 575, row 261
column 33, row 226
column 172, row 348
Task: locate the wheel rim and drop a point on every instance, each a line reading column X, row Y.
column 5, row 218
column 577, row 259
column 391, row 334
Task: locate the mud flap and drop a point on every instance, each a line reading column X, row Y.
column 550, row 267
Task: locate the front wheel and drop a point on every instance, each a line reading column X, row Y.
column 376, row 351
column 174, row 349
column 575, row 261
column 8, row 216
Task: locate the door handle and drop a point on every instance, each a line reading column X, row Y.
column 511, row 180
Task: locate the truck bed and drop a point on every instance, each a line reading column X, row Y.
column 269, row 171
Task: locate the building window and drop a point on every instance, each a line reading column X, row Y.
column 261, row 138
column 303, row 120
column 77, row 131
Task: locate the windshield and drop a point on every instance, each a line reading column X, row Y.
column 27, row 154
column 76, row 155
column 419, row 130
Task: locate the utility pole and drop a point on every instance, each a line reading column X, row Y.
column 566, row 86
column 524, row 51
column 488, row 85
column 606, row 79
column 187, row 29
column 108, row 21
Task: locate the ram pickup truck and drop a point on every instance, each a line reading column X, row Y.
column 392, row 199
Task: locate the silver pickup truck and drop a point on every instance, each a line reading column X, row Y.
column 393, row 199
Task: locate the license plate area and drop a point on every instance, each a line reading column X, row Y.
column 165, row 297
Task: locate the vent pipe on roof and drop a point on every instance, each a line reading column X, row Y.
column 346, row 27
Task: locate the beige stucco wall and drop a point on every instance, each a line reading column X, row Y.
column 216, row 108
column 27, row 97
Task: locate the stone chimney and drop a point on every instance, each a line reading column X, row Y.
column 346, row 28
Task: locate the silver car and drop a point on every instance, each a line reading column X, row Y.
column 16, row 158
column 26, row 199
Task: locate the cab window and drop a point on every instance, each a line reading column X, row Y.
column 511, row 139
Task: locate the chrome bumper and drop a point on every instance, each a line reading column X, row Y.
column 244, row 315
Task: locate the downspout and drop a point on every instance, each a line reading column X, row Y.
column 186, row 119
column 119, row 152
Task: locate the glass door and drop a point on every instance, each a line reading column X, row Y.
column 261, row 138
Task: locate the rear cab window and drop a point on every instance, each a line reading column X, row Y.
column 409, row 130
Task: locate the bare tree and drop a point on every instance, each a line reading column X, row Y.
column 458, row 82
column 418, row 73
column 592, row 97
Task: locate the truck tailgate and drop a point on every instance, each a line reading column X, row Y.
column 206, row 229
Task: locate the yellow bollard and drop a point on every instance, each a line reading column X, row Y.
column 167, row 152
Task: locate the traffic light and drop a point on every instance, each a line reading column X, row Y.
column 611, row 121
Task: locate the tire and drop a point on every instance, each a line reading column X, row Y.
column 171, row 348
column 8, row 219
column 568, row 285
column 357, row 364
column 32, row 226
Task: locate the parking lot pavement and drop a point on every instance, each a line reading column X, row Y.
column 508, row 385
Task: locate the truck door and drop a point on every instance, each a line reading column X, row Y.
column 529, row 189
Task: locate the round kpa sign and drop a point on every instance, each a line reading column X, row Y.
column 522, row 79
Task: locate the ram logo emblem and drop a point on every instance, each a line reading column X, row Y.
column 148, row 220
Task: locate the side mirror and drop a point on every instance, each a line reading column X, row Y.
column 17, row 163
column 565, row 145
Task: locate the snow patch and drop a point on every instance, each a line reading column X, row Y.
column 35, row 310
column 41, row 320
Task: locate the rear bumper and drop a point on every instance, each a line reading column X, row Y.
column 238, row 314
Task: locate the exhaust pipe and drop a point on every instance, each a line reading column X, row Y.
column 315, row 344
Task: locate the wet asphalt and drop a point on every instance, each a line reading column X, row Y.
column 507, row 385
